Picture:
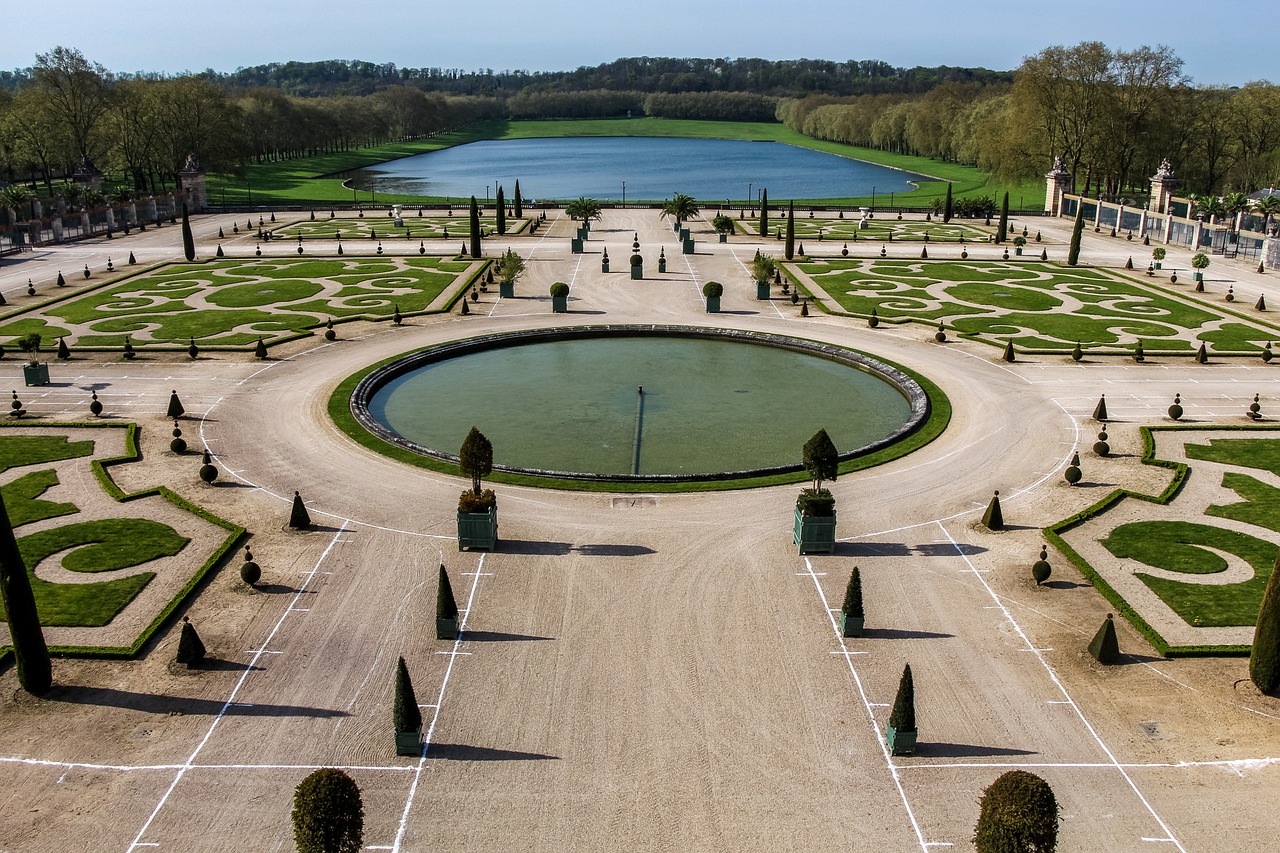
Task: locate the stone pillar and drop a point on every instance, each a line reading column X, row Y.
column 1196, row 235
column 1168, row 228
column 111, row 219
column 87, row 174
column 1142, row 223
column 151, row 209
column 56, row 222
column 1057, row 182
column 85, row 226
column 1162, row 185
column 60, row 206
column 131, row 214
column 192, row 180
column 1271, row 249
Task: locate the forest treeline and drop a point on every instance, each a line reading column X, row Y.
column 1111, row 115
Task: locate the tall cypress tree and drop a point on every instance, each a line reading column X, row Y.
column 1073, row 253
column 35, row 673
column 764, row 213
column 501, row 201
column 948, row 207
column 1264, row 660
column 475, row 228
column 791, row 230
column 405, row 714
column 517, row 202
column 1002, row 233
column 188, row 242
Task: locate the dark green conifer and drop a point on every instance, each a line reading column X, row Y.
column 1104, row 647
column 1264, row 660
column 1077, row 229
column 948, row 207
column 475, row 228
column 299, row 518
column 993, row 518
column 1002, row 230
column 853, row 595
column 328, row 815
column 790, row 250
column 31, row 654
column 446, row 606
column 188, row 242
column 175, row 409
column 903, row 715
column 501, row 210
column 405, row 713
column 190, row 649
column 1019, row 815
column 764, row 214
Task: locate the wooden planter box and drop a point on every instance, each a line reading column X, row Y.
column 35, row 374
column 713, row 304
column 507, row 289
column 762, row 290
column 637, row 272
column 815, row 534
column 851, row 626
column 900, row 743
column 560, row 304
column 446, row 629
column 409, row 743
column 478, row 529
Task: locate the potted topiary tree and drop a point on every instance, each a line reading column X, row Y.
column 851, row 613
column 510, row 267
column 1018, row 243
column 712, row 290
column 1200, row 261
column 446, row 608
column 763, row 269
column 405, row 714
column 328, row 816
column 815, row 513
column 559, row 297
column 723, row 226
column 34, row 372
column 477, row 510
column 1019, row 812
column 901, row 733
column 1157, row 256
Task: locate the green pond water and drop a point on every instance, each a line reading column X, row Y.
column 708, row 405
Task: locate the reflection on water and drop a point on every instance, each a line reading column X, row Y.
column 707, row 405
column 710, row 170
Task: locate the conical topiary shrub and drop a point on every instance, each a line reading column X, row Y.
column 1264, row 660
column 901, row 734
column 1202, row 355
column 1019, row 815
column 175, row 409
column 405, row 714
column 260, row 350
column 851, row 613
column 1104, row 647
column 64, row 351
column 1040, row 569
column 299, row 518
column 1009, row 354
column 30, row 651
column 190, row 649
column 250, row 572
column 446, row 608
column 1100, row 410
column 328, row 815
column 993, row 518
column 127, row 352
column 193, row 351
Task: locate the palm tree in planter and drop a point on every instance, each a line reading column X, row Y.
column 34, row 371
column 901, row 734
column 724, row 226
column 763, row 269
column 815, row 516
column 559, row 297
column 1157, row 256
column 585, row 209
column 1200, row 261
column 713, row 290
column 477, row 510
column 446, row 608
column 851, row 613
column 510, row 267
column 405, row 714
column 681, row 208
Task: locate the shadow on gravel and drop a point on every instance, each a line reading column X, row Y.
column 462, row 752
column 561, row 549
column 901, row 549
column 613, row 550
column 965, row 750
column 903, row 634
column 497, row 637
column 1063, row 584
column 158, row 703
column 946, row 549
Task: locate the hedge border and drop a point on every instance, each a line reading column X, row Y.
column 1181, row 473
column 99, row 466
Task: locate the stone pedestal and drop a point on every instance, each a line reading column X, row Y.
column 1271, row 251
column 191, row 176
column 87, row 174
column 1162, row 186
column 1057, row 182
column 151, row 209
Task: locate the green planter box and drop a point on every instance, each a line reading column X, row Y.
column 1158, row 263
column 684, row 235
column 507, row 289
column 446, row 629
column 1017, row 250
column 559, row 304
column 604, row 264
column 815, row 534
column 724, row 238
column 662, row 264
column 637, row 272
column 900, row 743
column 575, row 245
column 1195, row 276
column 35, row 374
column 851, row 626
column 713, row 304
column 686, row 247
column 762, row 290
column 409, row 743
column 478, row 529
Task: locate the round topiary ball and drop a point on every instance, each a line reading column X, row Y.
column 250, row 572
column 1040, row 570
column 1175, row 411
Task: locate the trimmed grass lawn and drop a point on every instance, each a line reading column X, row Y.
column 1038, row 305
column 382, row 228
column 234, row 302
column 824, row 229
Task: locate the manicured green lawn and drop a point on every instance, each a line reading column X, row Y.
column 302, row 181
column 1038, row 305
column 883, row 229
column 236, row 301
column 415, row 228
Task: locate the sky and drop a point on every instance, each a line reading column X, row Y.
column 1215, row 42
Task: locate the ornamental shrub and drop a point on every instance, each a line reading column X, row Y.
column 405, row 714
column 993, row 518
column 903, row 715
column 475, row 459
column 190, row 649
column 1199, row 260
column 1264, row 660
column 712, row 289
column 1019, row 815
column 175, row 409
column 1077, row 229
column 821, row 459
column 559, row 289
column 30, row 652
column 299, row 518
column 250, row 572
column 328, row 815
column 853, row 595
column 1104, row 647
column 446, row 606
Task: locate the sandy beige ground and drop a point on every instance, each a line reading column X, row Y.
column 652, row 674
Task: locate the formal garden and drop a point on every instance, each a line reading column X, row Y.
column 885, row 227
column 1039, row 306
column 378, row 225
column 149, row 548
column 1192, row 587
column 234, row 302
